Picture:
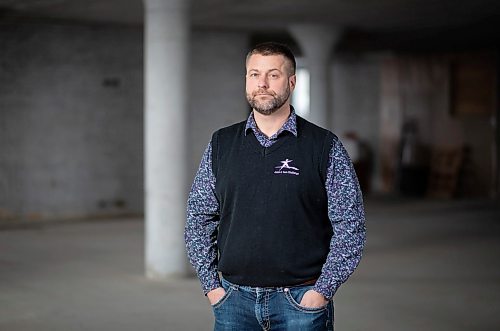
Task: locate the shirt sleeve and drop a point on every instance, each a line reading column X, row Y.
column 346, row 213
column 200, row 232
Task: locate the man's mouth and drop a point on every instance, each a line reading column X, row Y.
column 263, row 92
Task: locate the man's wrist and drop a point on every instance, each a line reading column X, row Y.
column 325, row 294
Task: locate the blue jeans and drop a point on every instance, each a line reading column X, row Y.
column 245, row 308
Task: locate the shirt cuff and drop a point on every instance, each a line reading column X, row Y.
column 327, row 290
column 212, row 285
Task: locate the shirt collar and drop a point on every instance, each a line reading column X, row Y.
column 290, row 125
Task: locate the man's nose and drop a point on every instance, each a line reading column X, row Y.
column 262, row 83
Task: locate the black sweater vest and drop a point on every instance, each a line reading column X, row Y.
column 274, row 228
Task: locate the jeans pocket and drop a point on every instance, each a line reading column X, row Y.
column 224, row 298
column 294, row 296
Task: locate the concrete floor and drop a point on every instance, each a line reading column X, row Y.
column 427, row 266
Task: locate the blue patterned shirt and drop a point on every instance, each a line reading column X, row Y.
column 345, row 211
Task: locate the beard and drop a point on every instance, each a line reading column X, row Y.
column 267, row 107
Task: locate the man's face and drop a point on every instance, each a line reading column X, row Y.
column 268, row 82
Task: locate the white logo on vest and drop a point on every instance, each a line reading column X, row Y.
column 285, row 168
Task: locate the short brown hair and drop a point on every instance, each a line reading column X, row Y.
column 274, row 48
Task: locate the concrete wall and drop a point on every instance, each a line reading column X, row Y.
column 217, row 86
column 70, row 120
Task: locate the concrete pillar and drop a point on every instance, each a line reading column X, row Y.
column 166, row 64
column 316, row 41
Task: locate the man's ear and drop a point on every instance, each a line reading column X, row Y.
column 292, row 80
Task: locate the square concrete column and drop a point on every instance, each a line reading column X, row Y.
column 166, row 74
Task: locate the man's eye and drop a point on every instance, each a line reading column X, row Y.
column 274, row 75
column 253, row 74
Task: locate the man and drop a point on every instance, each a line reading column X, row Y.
column 276, row 208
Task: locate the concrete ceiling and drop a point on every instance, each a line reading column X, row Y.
column 259, row 15
column 401, row 25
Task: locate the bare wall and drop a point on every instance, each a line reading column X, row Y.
column 217, row 96
column 70, row 120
